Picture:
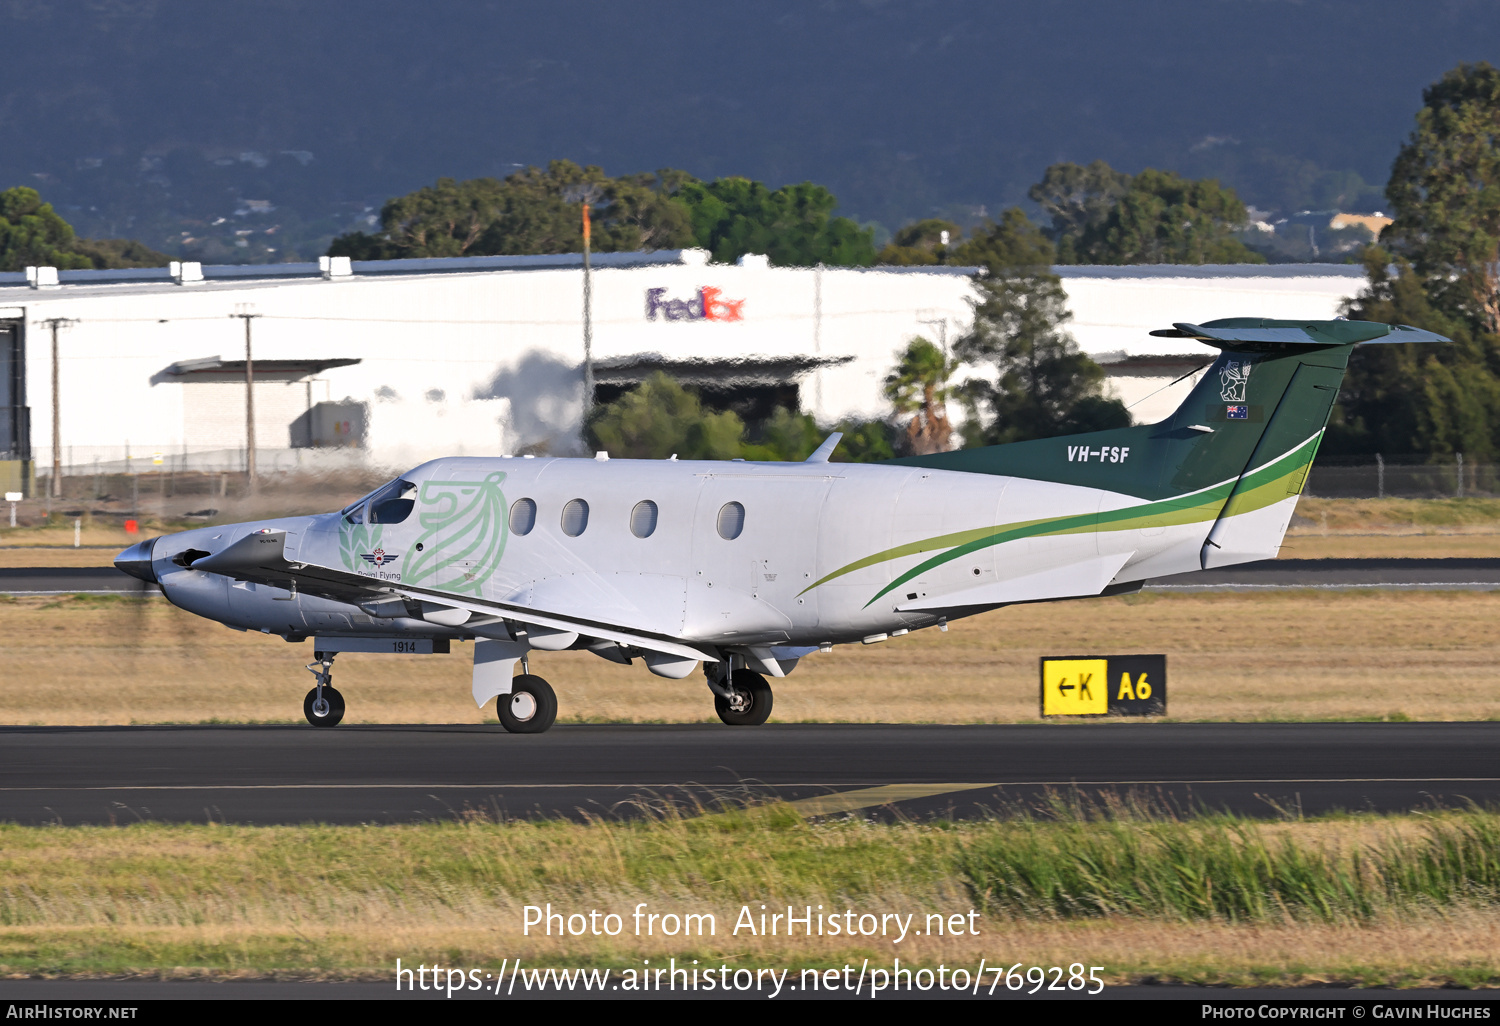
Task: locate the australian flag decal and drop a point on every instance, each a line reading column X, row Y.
column 1237, row 412
column 380, row 557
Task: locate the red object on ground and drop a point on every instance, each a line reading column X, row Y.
column 132, row 527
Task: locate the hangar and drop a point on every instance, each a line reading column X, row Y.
column 388, row 363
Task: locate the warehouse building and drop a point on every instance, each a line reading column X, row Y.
column 388, row 363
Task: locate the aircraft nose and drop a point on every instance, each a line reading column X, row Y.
column 136, row 561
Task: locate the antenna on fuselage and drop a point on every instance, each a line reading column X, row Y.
column 822, row 453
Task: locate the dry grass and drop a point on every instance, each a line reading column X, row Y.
column 348, row 901
column 1431, row 950
column 1309, row 544
column 37, row 555
column 1234, row 656
column 1394, row 529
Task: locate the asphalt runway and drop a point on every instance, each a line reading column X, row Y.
column 1435, row 574
column 384, row 774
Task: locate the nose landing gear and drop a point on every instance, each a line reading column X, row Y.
column 744, row 699
column 323, row 706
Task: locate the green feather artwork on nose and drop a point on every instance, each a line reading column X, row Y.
column 464, row 534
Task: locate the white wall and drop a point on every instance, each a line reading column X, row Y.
column 483, row 362
column 1115, row 309
column 452, row 364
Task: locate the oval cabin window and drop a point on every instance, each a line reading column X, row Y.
column 522, row 516
column 731, row 520
column 643, row 519
column 575, row 517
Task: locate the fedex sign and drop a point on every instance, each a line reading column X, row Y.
column 704, row 306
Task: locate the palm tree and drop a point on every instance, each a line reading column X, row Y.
column 919, row 386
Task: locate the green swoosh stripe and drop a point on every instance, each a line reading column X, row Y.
column 1213, row 494
column 1207, row 504
column 1266, row 485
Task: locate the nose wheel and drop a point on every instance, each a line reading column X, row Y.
column 323, row 706
column 748, row 703
column 324, row 710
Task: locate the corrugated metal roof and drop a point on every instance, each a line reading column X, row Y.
column 1209, row 271
column 242, row 274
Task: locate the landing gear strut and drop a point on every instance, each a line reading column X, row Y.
column 323, row 706
column 744, row 700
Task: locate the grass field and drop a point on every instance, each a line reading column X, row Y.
column 1370, row 901
column 1298, row 655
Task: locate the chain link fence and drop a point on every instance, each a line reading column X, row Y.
column 1401, row 477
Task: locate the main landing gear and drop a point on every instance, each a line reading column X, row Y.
column 531, row 706
column 323, row 706
column 744, row 700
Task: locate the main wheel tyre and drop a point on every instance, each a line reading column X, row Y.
column 329, row 713
column 531, row 706
column 752, row 700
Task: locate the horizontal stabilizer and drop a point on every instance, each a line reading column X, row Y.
column 1262, row 331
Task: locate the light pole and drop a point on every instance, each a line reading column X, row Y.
column 246, row 312
column 588, row 317
column 55, row 323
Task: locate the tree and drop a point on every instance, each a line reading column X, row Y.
column 1445, row 196
column 531, row 211
column 1166, row 219
column 865, row 441
column 107, row 253
column 1408, row 399
column 659, row 418
column 921, row 243
column 1441, row 271
column 32, row 234
column 785, row 435
column 1103, row 216
column 794, row 225
column 1003, row 246
column 919, row 387
column 1078, row 199
column 1042, row 384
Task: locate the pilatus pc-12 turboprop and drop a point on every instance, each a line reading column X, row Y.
column 746, row 568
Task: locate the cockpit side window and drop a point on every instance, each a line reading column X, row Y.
column 393, row 503
column 389, row 504
column 354, row 513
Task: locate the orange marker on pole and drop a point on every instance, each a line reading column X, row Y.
column 588, row 317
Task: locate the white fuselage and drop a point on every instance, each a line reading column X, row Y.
column 802, row 522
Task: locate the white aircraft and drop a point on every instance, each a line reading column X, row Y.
column 746, row 568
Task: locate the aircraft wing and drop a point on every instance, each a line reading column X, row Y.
column 261, row 557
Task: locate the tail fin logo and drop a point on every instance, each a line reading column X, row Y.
column 1234, row 376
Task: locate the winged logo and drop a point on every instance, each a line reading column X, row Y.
column 379, row 557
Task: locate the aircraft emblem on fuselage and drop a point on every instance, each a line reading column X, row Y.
column 380, row 557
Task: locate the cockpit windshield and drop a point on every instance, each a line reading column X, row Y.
column 389, row 504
